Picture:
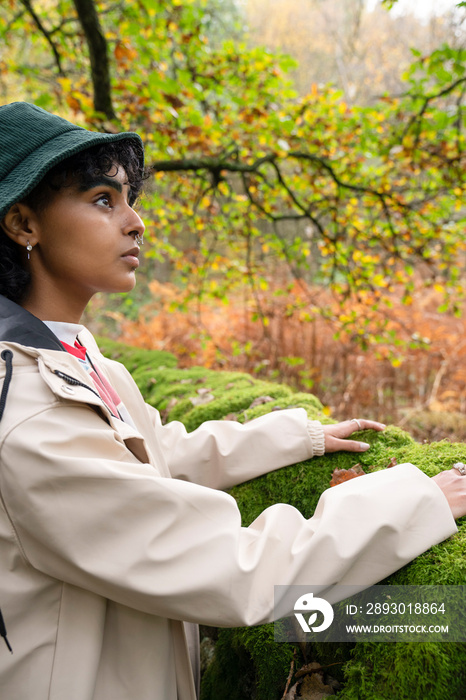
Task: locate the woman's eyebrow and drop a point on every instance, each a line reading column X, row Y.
column 108, row 181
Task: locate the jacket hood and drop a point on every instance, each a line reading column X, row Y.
column 20, row 326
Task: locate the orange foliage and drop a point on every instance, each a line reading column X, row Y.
column 287, row 344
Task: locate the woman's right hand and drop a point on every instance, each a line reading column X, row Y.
column 453, row 485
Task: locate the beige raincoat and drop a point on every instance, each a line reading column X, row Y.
column 111, row 535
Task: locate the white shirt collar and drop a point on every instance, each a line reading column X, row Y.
column 65, row 332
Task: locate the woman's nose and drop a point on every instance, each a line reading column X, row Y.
column 135, row 226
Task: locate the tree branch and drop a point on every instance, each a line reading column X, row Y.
column 417, row 118
column 222, row 163
column 27, row 4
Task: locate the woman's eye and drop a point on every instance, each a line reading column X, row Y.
column 104, row 199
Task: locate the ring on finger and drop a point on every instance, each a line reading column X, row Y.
column 459, row 466
column 356, row 421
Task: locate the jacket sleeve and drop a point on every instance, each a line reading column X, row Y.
column 221, row 454
column 87, row 512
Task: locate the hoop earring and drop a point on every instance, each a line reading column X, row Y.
column 29, row 248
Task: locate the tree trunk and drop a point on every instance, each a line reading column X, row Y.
column 98, row 54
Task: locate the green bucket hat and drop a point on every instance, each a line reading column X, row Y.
column 33, row 141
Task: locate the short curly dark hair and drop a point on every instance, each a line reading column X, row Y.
column 93, row 162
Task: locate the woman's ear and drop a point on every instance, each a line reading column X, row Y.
column 20, row 224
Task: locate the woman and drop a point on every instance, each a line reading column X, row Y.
column 112, row 528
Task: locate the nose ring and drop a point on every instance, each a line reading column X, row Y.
column 139, row 238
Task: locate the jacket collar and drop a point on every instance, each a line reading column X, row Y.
column 20, row 326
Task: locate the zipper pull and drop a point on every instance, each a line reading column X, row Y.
column 3, row 632
column 68, row 379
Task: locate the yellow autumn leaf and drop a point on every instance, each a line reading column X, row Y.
column 65, row 83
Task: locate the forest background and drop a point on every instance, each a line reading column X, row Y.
column 305, row 210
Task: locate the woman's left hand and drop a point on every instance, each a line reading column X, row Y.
column 335, row 435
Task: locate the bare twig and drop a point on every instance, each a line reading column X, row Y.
column 290, row 676
column 28, row 6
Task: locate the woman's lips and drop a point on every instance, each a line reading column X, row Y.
column 131, row 259
column 131, row 256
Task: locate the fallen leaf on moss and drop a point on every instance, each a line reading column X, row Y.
column 230, row 416
column 341, row 475
column 204, row 396
column 260, row 400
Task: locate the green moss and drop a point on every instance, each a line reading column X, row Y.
column 434, row 457
column 196, row 395
column 301, row 485
column 426, row 671
column 165, row 385
column 224, row 402
column 231, row 675
column 365, row 674
column 442, row 565
column 133, row 358
column 307, row 401
column 248, row 664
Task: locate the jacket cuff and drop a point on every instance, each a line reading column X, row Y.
column 316, row 433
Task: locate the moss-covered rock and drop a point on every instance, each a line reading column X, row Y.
column 240, row 671
column 136, row 358
column 248, row 662
column 406, row 671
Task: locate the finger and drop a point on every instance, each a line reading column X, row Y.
column 348, row 427
column 453, row 485
column 363, row 424
column 334, row 444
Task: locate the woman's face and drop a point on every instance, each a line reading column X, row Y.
column 85, row 241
